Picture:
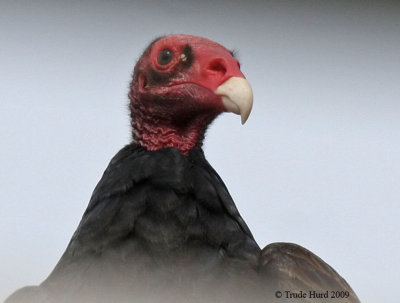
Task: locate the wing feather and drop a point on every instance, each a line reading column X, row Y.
column 288, row 267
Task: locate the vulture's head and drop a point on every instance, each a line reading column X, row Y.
column 180, row 84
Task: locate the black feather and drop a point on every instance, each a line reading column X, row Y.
column 152, row 213
column 161, row 226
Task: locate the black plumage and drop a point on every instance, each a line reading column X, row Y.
column 154, row 216
column 161, row 225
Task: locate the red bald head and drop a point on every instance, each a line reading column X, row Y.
column 173, row 95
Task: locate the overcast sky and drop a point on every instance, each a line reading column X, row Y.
column 317, row 163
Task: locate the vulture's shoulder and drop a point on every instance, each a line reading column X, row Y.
column 293, row 268
column 146, row 196
column 130, row 180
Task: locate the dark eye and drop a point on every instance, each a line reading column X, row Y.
column 165, row 56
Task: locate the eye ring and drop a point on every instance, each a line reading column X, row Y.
column 165, row 56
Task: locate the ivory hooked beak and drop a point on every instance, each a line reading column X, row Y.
column 237, row 96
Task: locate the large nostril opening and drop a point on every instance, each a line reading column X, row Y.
column 217, row 65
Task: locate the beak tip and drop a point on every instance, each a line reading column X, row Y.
column 237, row 96
column 244, row 118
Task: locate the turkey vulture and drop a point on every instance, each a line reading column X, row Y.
column 161, row 225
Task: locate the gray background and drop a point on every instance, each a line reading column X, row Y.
column 318, row 162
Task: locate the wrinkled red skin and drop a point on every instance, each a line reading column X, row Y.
column 174, row 108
